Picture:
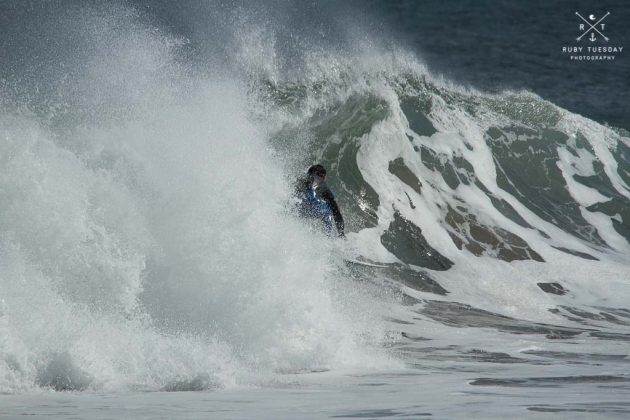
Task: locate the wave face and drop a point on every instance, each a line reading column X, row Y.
column 147, row 241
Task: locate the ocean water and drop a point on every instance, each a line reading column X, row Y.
column 151, row 265
column 499, row 45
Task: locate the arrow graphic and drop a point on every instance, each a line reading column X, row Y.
column 592, row 27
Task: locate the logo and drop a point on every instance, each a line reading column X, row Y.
column 592, row 41
column 592, row 28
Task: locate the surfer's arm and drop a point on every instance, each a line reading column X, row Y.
column 330, row 199
column 338, row 218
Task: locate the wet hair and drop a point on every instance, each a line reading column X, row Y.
column 318, row 170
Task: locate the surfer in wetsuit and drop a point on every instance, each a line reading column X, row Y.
column 317, row 201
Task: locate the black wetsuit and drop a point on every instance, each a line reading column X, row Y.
column 318, row 201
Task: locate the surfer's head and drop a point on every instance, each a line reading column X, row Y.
column 318, row 170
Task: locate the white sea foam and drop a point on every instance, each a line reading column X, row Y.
column 146, row 242
column 149, row 247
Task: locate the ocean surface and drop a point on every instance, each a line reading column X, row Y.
column 151, row 263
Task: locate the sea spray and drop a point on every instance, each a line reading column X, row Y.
column 145, row 233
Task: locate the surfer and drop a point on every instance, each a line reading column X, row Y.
column 317, row 201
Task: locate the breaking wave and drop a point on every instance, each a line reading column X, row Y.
column 145, row 230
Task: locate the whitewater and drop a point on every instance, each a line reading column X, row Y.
column 151, row 265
